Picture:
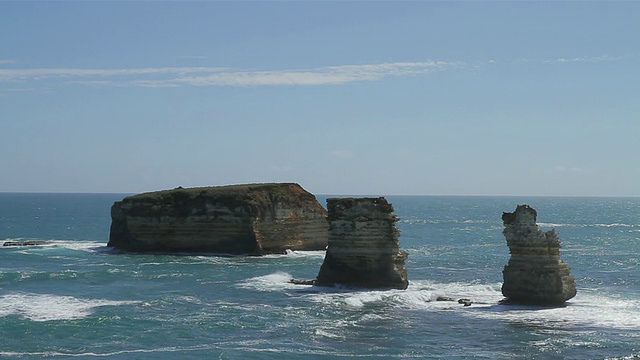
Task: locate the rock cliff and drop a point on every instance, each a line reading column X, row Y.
column 250, row 219
column 363, row 248
column 535, row 274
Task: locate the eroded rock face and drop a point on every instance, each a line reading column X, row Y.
column 250, row 219
column 535, row 274
column 363, row 248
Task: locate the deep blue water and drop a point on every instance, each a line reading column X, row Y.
column 76, row 298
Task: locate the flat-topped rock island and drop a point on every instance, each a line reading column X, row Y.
column 248, row 219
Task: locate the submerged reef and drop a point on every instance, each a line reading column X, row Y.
column 251, row 219
column 363, row 249
column 535, row 274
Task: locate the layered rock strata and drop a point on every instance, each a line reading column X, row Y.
column 252, row 219
column 363, row 249
column 534, row 274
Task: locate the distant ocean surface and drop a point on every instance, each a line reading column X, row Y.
column 76, row 298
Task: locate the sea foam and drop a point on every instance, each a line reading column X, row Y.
column 277, row 281
column 48, row 307
column 586, row 309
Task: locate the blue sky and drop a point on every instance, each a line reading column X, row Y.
column 377, row 98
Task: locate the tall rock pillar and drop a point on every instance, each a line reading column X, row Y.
column 535, row 274
column 363, row 249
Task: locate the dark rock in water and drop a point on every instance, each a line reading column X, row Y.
column 302, row 282
column 535, row 274
column 252, row 219
column 444, row 298
column 26, row 243
column 363, row 248
column 465, row 302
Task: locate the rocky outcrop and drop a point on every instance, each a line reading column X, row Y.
column 535, row 274
column 363, row 248
column 250, row 219
column 26, row 243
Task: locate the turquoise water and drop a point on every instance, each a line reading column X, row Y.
column 76, row 298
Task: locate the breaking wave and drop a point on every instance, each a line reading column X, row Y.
column 612, row 225
column 78, row 245
column 588, row 308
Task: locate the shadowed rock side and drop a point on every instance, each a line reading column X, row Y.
column 535, row 274
column 250, row 219
column 363, row 248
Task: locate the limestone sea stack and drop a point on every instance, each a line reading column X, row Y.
column 535, row 274
column 364, row 249
column 252, row 219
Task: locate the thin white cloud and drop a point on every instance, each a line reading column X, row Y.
column 218, row 76
column 28, row 89
column 44, row 73
column 570, row 60
column 330, row 75
column 583, row 59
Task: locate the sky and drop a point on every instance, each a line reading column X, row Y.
column 360, row 98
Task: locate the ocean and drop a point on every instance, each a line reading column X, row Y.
column 76, row 298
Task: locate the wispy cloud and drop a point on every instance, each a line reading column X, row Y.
column 32, row 79
column 45, row 73
column 218, row 76
column 570, row 60
column 221, row 76
column 584, row 59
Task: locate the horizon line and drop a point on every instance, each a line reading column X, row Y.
column 324, row 194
